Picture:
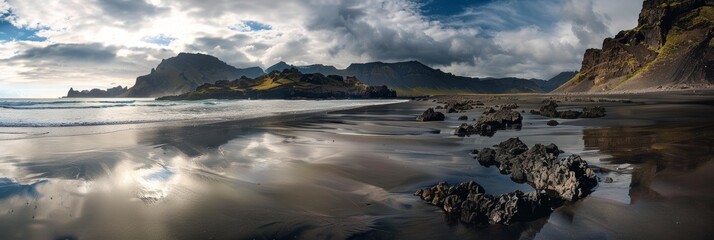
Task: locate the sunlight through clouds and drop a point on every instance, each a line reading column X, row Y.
column 479, row 39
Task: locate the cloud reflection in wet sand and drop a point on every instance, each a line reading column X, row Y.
column 338, row 176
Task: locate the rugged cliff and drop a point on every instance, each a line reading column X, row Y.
column 671, row 48
column 97, row 93
column 185, row 73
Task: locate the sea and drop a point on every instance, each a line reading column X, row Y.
column 68, row 112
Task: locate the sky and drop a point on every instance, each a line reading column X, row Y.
column 48, row 46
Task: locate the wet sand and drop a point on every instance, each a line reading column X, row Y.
column 351, row 174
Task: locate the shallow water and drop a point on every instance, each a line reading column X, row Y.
column 349, row 174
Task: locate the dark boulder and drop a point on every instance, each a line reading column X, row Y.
column 570, row 178
column 491, row 121
column 464, row 117
column 557, row 181
column 553, row 123
column 593, row 112
column 569, row 114
column 430, row 115
column 469, row 203
column 549, row 110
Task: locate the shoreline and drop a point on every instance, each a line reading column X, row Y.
column 358, row 167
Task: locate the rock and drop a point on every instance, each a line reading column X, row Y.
column 439, row 107
column 430, row 115
column 464, row 117
column 608, row 180
column 552, row 123
column 479, row 103
column 593, row 112
column 469, row 203
column 509, row 106
column 548, row 110
column 453, row 110
column 539, row 166
column 569, row 114
column 491, row 121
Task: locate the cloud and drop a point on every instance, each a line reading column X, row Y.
column 93, row 52
column 90, row 43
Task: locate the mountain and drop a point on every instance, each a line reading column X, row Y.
column 287, row 84
column 185, row 73
column 415, row 78
column 555, row 82
column 671, row 48
column 315, row 68
column 97, row 93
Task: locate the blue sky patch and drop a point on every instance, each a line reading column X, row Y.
column 441, row 8
column 250, row 26
column 9, row 32
column 161, row 39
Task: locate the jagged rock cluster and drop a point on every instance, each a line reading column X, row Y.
column 549, row 110
column 431, row 115
column 539, row 166
column 491, row 121
column 557, row 181
column 459, row 106
column 469, row 203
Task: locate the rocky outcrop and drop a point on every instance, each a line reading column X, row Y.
column 570, row 178
column 431, row 115
column 288, row 84
column 185, row 73
column 97, row 93
column 672, row 47
column 469, row 203
column 491, row 121
column 549, row 110
column 557, row 181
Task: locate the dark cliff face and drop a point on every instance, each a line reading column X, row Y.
column 671, row 47
column 184, row 73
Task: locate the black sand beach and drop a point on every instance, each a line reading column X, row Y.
column 352, row 173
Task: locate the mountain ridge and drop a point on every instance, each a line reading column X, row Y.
column 287, row 84
column 187, row 71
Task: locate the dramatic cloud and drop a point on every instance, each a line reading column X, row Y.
column 57, row 44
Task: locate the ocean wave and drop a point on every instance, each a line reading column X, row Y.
column 72, row 124
column 32, row 103
column 34, row 107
